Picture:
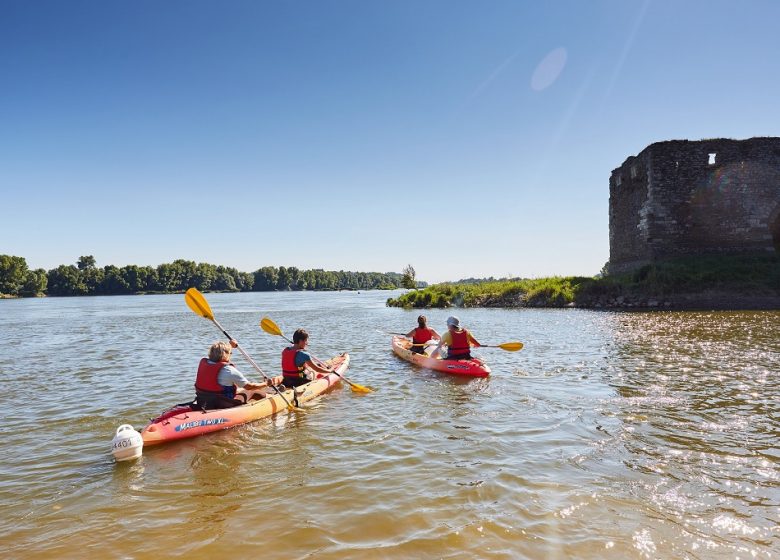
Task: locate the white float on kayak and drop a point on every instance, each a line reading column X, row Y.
column 127, row 443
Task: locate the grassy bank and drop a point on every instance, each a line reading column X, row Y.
column 749, row 279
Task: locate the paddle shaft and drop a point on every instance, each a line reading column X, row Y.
column 337, row 373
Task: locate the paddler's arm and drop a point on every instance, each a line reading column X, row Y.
column 249, row 386
column 446, row 339
column 435, row 352
column 474, row 342
column 319, row 368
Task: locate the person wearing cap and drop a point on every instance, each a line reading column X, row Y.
column 422, row 334
column 458, row 341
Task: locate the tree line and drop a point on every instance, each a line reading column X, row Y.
column 86, row 278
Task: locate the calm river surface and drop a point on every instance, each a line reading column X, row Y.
column 610, row 435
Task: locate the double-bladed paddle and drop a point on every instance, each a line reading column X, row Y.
column 199, row 305
column 508, row 346
column 272, row 328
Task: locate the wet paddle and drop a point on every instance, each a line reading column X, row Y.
column 200, row 306
column 272, row 328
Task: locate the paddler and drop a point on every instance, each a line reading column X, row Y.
column 295, row 359
column 421, row 334
column 218, row 378
column 458, row 341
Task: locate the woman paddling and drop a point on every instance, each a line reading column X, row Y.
column 421, row 334
column 218, row 378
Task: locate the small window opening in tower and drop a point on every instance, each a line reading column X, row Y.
column 775, row 228
column 712, row 159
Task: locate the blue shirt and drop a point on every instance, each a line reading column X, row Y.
column 301, row 358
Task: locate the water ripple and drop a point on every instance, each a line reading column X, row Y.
column 611, row 435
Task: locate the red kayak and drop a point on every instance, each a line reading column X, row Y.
column 469, row 368
column 182, row 421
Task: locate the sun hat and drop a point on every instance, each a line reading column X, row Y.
column 453, row 321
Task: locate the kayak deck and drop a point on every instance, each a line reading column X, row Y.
column 184, row 421
column 470, row 368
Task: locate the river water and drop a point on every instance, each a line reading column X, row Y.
column 610, row 435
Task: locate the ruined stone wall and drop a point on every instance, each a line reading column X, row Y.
column 682, row 197
column 628, row 195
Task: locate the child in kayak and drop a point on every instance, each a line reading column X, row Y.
column 421, row 334
column 458, row 341
column 295, row 359
column 218, row 378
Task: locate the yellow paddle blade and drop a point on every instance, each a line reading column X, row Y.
column 198, row 303
column 270, row 327
column 360, row 388
column 511, row 346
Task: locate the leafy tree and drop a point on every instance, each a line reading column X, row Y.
column 204, row 276
column 114, row 281
column 225, row 282
column 169, row 277
column 13, row 273
column 35, row 284
column 93, row 279
column 85, row 263
column 408, row 281
column 283, row 283
column 245, row 281
column 294, row 275
column 266, row 279
column 65, row 280
column 187, row 272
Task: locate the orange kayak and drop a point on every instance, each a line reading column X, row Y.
column 182, row 421
column 471, row 368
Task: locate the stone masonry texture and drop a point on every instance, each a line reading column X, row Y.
column 682, row 198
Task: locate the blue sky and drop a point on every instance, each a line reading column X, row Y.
column 469, row 139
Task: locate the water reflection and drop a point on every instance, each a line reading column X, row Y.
column 696, row 430
column 615, row 435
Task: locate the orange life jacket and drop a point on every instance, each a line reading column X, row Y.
column 206, row 379
column 460, row 343
column 289, row 369
column 421, row 336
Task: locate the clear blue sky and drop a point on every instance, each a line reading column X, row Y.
column 464, row 138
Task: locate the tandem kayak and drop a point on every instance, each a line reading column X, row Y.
column 470, row 368
column 184, row 421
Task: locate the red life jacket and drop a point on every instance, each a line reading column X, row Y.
column 207, row 378
column 460, row 343
column 289, row 369
column 421, row 336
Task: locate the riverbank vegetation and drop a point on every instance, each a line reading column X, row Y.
column 85, row 278
column 712, row 281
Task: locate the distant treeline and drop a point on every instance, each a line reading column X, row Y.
column 85, row 278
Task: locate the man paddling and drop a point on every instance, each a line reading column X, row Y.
column 458, row 341
column 295, row 359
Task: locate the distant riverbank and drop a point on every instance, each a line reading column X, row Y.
column 730, row 282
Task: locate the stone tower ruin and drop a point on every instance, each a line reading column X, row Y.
column 682, row 198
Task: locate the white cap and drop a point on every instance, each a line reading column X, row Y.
column 453, row 321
